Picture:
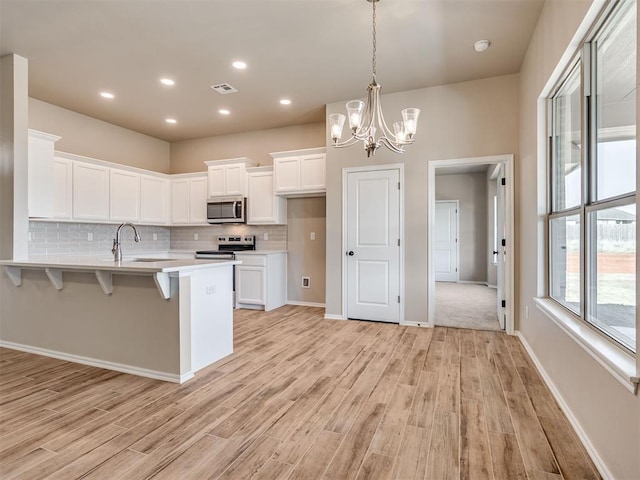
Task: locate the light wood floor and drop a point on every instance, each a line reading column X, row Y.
column 301, row 398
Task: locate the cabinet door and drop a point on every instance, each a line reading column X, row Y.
column 124, row 197
column 261, row 200
column 250, row 285
column 180, row 201
column 235, row 178
column 90, row 192
column 198, row 200
column 62, row 181
column 216, row 181
column 153, row 200
column 312, row 172
column 287, row 174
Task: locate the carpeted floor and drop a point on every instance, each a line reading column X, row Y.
column 464, row 305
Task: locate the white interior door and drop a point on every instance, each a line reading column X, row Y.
column 445, row 252
column 373, row 251
column 502, row 234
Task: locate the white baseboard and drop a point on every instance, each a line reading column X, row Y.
column 329, row 316
column 582, row 435
column 306, row 304
column 473, row 283
column 93, row 362
column 416, row 324
column 492, row 286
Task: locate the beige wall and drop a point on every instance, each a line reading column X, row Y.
column 306, row 256
column 87, row 136
column 468, row 119
column 606, row 412
column 189, row 155
column 471, row 192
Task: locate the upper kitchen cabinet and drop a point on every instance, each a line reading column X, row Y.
column 154, row 200
column 62, row 188
column 263, row 206
column 228, row 177
column 124, row 196
column 189, row 199
column 90, row 192
column 40, row 166
column 300, row 173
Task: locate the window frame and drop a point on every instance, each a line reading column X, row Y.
column 586, row 62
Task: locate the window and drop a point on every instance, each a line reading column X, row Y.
column 592, row 219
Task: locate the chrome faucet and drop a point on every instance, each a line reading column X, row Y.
column 116, row 250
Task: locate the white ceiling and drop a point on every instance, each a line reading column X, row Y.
column 313, row 52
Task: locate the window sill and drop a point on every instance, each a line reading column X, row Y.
column 614, row 359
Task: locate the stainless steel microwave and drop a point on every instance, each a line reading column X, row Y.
column 226, row 210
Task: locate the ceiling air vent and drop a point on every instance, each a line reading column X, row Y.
column 224, row 88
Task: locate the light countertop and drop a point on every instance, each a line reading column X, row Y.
column 151, row 262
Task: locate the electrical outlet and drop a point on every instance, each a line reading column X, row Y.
column 195, row 236
column 306, row 282
column 90, row 237
column 155, row 236
column 312, row 236
column 265, row 236
column 211, row 289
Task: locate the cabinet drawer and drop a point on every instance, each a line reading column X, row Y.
column 253, row 260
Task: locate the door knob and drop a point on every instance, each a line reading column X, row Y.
column 350, row 253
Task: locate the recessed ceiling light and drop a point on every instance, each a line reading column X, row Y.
column 481, row 45
column 170, row 120
column 285, row 101
column 167, row 81
column 107, row 95
column 224, row 111
column 239, row 65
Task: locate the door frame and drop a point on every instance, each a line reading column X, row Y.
column 508, row 291
column 372, row 168
column 457, row 202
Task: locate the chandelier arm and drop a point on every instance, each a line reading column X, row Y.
column 347, row 143
column 384, row 129
column 391, row 145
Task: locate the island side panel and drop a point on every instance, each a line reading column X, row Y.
column 208, row 312
column 133, row 327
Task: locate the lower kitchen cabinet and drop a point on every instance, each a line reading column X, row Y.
column 261, row 280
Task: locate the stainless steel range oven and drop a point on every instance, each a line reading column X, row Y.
column 227, row 248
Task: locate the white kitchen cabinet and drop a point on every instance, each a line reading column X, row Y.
column 62, row 188
column 198, row 200
column 263, row 206
column 90, row 192
column 189, row 200
column 124, row 196
column 228, row 177
column 261, row 280
column 154, row 196
column 40, row 173
column 300, row 173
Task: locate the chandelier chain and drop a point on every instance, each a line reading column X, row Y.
column 374, row 41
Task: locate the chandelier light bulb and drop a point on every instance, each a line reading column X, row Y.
column 366, row 121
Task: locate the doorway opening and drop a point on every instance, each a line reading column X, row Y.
column 470, row 233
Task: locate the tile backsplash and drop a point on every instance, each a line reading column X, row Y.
column 47, row 238
column 183, row 238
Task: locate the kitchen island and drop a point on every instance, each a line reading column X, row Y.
column 164, row 317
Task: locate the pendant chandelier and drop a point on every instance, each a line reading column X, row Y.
column 366, row 121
